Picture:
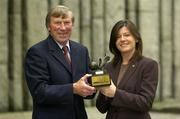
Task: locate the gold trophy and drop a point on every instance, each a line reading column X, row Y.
column 99, row 76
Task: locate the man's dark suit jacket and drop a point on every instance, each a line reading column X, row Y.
column 135, row 93
column 50, row 80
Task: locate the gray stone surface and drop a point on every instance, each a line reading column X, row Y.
column 74, row 6
column 132, row 10
column 115, row 11
column 166, row 44
column 177, row 46
column 3, row 56
column 36, row 31
column 92, row 114
column 149, row 27
column 97, row 29
column 54, row 3
column 98, row 39
column 36, row 14
column 94, row 20
column 85, row 24
column 17, row 68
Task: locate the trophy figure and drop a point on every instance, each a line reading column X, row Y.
column 99, row 76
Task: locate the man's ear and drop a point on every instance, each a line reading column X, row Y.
column 48, row 29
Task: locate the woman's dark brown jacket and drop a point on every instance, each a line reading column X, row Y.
column 135, row 93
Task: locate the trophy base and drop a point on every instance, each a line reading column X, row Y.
column 100, row 79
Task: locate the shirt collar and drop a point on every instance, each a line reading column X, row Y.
column 61, row 46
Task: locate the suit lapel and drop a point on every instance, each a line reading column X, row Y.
column 74, row 56
column 116, row 73
column 57, row 53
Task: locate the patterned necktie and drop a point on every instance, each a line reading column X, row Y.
column 66, row 54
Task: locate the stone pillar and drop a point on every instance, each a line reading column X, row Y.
column 36, row 14
column 16, row 64
column 85, row 35
column 115, row 11
column 36, row 29
column 3, row 58
column 176, row 46
column 53, row 3
column 149, row 28
column 132, row 11
column 85, row 23
column 74, row 6
column 97, row 29
column 166, row 47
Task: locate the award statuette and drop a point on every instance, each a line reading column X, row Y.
column 99, row 77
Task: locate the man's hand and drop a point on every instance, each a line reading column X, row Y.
column 82, row 88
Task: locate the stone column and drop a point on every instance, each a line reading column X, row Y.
column 3, row 58
column 74, row 6
column 176, row 46
column 97, row 29
column 115, row 11
column 85, row 32
column 166, row 47
column 15, row 86
column 132, row 11
column 53, row 3
column 36, row 29
column 85, row 23
column 149, row 27
column 36, row 14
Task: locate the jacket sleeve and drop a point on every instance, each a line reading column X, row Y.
column 38, row 78
column 144, row 95
column 103, row 103
column 89, row 71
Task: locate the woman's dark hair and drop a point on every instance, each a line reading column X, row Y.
column 113, row 37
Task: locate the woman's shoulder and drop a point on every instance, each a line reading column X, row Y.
column 108, row 64
column 147, row 61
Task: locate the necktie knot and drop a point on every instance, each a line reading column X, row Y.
column 66, row 54
column 65, row 49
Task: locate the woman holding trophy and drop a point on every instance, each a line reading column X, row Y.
column 134, row 76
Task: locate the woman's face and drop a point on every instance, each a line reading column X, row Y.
column 125, row 42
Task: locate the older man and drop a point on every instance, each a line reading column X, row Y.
column 56, row 70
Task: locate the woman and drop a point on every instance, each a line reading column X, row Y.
column 134, row 77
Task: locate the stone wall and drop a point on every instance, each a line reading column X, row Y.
column 4, row 82
column 22, row 24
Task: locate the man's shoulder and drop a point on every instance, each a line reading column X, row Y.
column 39, row 46
column 42, row 42
column 77, row 44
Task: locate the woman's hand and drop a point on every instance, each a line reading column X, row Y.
column 108, row 91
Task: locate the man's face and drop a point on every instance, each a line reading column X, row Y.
column 60, row 29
